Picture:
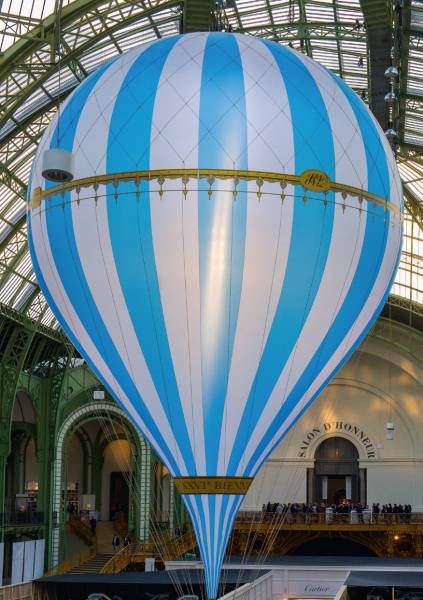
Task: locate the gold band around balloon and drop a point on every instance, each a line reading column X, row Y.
column 213, row 485
column 311, row 179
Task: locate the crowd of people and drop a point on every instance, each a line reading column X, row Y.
column 341, row 508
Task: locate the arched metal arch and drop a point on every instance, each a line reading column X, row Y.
column 67, row 425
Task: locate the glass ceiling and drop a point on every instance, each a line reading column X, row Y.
column 31, row 49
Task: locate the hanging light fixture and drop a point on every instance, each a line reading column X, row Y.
column 390, row 428
column 391, row 73
column 58, row 165
column 390, row 97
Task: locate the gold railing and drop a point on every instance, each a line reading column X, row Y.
column 311, row 180
column 181, row 545
column 121, row 559
column 80, row 528
column 287, row 519
column 170, row 548
column 322, row 517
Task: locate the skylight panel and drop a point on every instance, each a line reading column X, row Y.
column 319, row 13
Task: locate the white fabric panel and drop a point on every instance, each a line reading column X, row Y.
column 350, row 153
column 174, row 222
column 269, row 125
column 217, row 533
column 29, row 559
column 97, row 258
column 205, row 503
column 396, row 193
column 344, row 252
column 90, row 148
column 93, row 128
column 382, row 281
column 53, row 281
column 340, row 100
column 175, row 237
column 99, row 267
column 268, row 232
column 39, row 558
column 175, row 123
column 18, row 549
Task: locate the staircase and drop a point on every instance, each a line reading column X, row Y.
column 94, row 565
column 99, row 557
column 99, row 550
column 80, row 528
column 104, row 533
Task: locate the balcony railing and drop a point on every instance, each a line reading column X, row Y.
column 287, row 517
column 16, row 518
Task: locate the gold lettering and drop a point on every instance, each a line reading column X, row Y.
column 314, row 180
column 213, row 485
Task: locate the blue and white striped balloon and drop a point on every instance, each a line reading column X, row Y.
column 212, row 312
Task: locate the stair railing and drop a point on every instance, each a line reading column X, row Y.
column 119, row 561
column 80, row 528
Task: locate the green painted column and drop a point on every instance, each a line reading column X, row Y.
column 135, row 492
column 44, row 446
column 45, row 460
column 3, row 462
column 4, row 453
column 96, row 475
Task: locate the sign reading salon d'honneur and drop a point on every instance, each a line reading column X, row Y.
column 338, row 427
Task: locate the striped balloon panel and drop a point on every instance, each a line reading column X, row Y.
column 216, row 320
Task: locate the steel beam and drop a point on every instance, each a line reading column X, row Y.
column 19, row 55
column 31, row 325
column 414, row 206
column 197, row 15
column 404, row 41
column 379, row 30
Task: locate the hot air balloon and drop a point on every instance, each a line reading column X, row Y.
column 230, row 234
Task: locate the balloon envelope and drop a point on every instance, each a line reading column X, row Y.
column 214, row 299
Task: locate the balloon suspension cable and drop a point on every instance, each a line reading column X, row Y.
column 158, row 536
column 161, row 542
column 277, row 520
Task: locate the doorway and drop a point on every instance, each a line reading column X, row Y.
column 119, row 493
column 337, row 489
column 336, row 477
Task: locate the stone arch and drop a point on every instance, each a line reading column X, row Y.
column 143, row 475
